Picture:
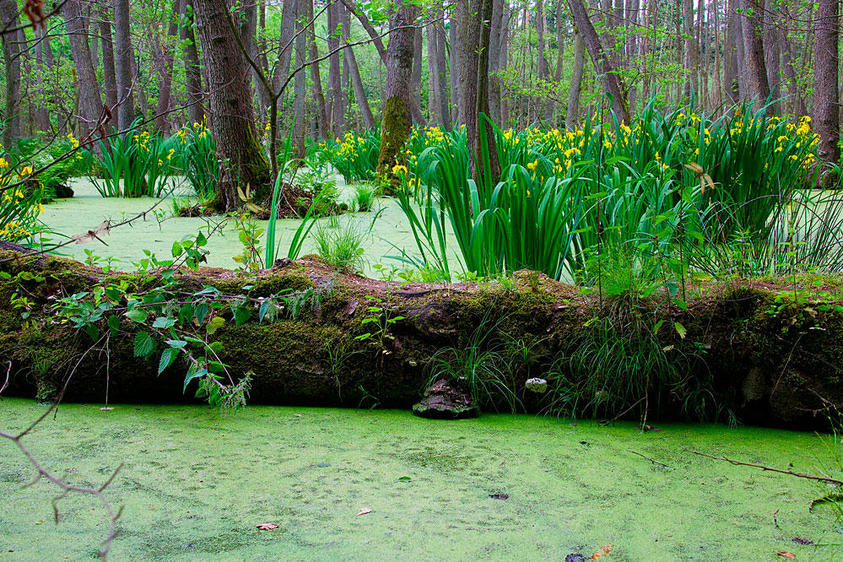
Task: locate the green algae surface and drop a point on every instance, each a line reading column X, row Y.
column 196, row 482
column 390, row 235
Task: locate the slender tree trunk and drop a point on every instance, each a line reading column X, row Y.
column 434, row 88
column 337, row 105
column 395, row 126
column 603, row 67
column 192, row 72
column 756, row 73
column 108, row 69
column 454, row 61
column 42, row 115
column 123, row 64
column 357, row 83
column 415, row 84
column 692, row 55
column 300, row 86
column 826, row 112
column 791, row 81
column 90, row 102
column 12, row 65
column 231, row 106
column 770, row 43
column 166, row 73
column 573, row 113
column 544, row 107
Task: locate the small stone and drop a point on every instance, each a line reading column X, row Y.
column 537, row 385
column 443, row 400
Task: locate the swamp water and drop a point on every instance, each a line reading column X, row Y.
column 196, row 482
column 87, row 209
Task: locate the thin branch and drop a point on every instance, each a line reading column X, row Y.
column 768, row 468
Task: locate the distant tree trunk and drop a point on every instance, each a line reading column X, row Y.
column 415, row 83
column 454, row 62
column 503, row 62
column 337, row 105
column 730, row 54
column 495, row 55
column 90, row 102
column 826, row 112
column 193, row 75
column 123, row 64
column 11, row 60
column 692, row 55
column 165, row 73
column 544, row 106
column 756, row 73
column 434, row 76
column 473, row 19
column 611, row 79
column 306, row 13
column 572, row 116
column 791, row 81
column 772, row 55
column 231, row 105
column 395, row 126
column 285, row 52
column 42, row 115
column 300, row 86
column 108, row 68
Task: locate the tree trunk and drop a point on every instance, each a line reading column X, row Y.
column 826, row 113
column 288, row 27
column 166, row 73
column 306, row 13
column 357, row 83
column 544, row 106
column 123, row 64
column 395, row 126
column 573, row 114
column 772, row 57
column 300, row 86
column 692, row 55
column 108, row 69
column 495, row 57
column 231, row 106
column 90, row 102
column 193, row 75
column 337, row 105
column 454, row 62
column 11, row 59
column 756, row 73
column 602, row 66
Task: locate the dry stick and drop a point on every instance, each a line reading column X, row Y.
column 654, row 461
column 768, row 468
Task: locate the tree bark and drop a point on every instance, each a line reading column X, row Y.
column 90, row 102
column 108, row 69
column 826, row 89
column 190, row 56
column 602, row 66
column 756, row 73
column 12, row 65
column 231, row 106
column 337, row 105
column 572, row 116
column 123, row 64
column 395, row 126
column 300, row 85
column 165, row 83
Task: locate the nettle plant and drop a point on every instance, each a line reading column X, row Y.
column 175, row 322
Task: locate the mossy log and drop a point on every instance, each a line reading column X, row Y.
column 768, row 359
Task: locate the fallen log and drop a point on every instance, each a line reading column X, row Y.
column 745, row 350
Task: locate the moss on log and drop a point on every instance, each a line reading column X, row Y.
column 760, row 355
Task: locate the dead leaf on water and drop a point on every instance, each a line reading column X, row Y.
column 364, row 511
column 786, row 554
column 267, row 526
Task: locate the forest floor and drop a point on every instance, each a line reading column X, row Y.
column 87, row 209
column 369, row 485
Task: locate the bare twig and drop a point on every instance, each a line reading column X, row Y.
column 769, row 468
column 654, row 461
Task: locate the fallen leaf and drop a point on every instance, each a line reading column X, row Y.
column 602, row 551
column 499, row 496
column 267, row 526
column 364, row 511
column 786, row 554
column 106, row 409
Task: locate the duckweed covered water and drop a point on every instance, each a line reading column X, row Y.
column 86, row 210
column 196, row 482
